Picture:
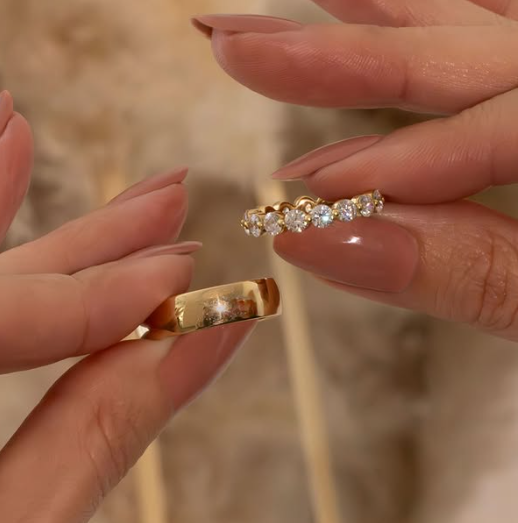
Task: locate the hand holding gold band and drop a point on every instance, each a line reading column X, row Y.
column 305, row 211
column 235, row 302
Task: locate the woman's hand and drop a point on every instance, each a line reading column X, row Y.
column 429, row 251
column 79, row 291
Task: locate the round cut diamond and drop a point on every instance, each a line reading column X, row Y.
column 378, row 200
column 255, row 226
column 346, row 209
column 273, row 224
column 366, row 204
column 322, row 216
column 295, row 220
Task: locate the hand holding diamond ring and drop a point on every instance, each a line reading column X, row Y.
column 429, row 250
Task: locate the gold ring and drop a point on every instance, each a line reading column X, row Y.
column 305, row 211
column 235, row 302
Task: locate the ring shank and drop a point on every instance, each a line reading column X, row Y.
column 235, row 302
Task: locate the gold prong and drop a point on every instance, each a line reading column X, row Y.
column 306, row 204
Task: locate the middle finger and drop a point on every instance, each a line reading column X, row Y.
column 144, row 216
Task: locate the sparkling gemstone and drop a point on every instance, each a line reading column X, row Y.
column 346, row 209
column 322, row 216
column 366, row 204
column 245, row 224
column 295, row 220
column 273, row 224
column 255, row 226
column 379, row 200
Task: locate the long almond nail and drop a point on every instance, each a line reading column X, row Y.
column 6, row 109
column 206, row 24
column 151, row 184
column 327, row 155
column 369, row 253
column 177, row 248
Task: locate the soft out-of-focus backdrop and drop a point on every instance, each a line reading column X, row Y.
column 423, row 415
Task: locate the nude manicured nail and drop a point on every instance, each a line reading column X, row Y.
column 153, row 183
column 369, row 253
column 206, row 24
column 6, row 109
column 177, row 248
column 324, row 156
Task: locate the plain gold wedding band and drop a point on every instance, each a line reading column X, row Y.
column 231, row 303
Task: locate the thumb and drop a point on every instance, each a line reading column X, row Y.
column 99, row 418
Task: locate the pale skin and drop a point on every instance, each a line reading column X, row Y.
column 92, row 283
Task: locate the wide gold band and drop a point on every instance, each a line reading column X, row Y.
column 235, row 302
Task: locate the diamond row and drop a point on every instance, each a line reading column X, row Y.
column 319, row 214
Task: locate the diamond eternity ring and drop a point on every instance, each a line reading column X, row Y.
column 306, row 211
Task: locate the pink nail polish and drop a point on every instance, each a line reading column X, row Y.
column 327, row 155
column 369, row 253
column 188, row 247
column 153, row 183
column 206, row 24
column 6, row 109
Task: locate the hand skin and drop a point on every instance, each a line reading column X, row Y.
column 430, row 251
column 84, row 287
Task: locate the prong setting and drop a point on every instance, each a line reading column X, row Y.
column 306, row 211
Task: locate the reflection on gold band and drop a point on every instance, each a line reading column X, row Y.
column 235, row 302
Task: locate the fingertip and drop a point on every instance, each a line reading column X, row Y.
column 6, row 109
column 16, row 162
column 152, row 184
column 204, row 29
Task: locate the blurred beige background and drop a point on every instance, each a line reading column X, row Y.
column 423, row 416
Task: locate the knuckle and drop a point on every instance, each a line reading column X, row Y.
column 498, row 302
column 486, row 284
column 81, row 293
column 107, row 440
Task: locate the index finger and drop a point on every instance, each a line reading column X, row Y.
column 431, row 162
column 46, row 318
